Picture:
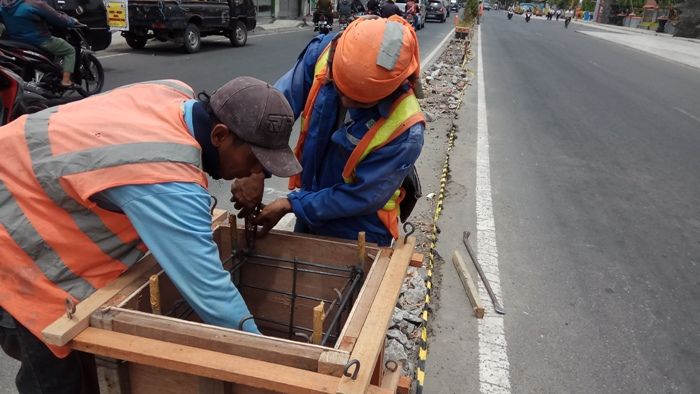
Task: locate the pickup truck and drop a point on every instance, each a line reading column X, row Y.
column 187, row 21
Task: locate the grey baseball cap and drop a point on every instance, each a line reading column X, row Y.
column 260, row 115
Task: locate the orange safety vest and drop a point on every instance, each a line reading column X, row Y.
column 404, row 113
column 57, row 244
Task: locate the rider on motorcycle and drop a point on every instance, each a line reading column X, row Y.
column 412, row 10
column 325, row 8
column 373, row 7
column 28, row 21
column 344, row 11
column 390, row 8
column 357, row 7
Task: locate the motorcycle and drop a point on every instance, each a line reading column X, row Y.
column 322, row 26
column 344, row 21
column 43, row 72
column 528, row 15
column 566, row 22
column 510, row 15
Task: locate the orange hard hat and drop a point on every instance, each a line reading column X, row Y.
column 373, row 57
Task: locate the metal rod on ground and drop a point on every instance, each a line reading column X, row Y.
column 496, row 306
column 154, row 289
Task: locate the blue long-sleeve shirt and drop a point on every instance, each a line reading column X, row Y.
column 325, row 204
column 174, row 221
column 28, row 20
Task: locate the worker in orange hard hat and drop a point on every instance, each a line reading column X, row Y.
column 358, row 175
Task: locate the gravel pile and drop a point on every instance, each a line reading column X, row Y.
column 444, row 81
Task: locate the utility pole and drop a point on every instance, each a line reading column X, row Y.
column 597, row 11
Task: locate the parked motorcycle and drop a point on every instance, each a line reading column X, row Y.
column 43, row 72
column 510, row 15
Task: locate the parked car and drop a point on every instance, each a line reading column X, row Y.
column 454, row 6
column 187, row 21
column 422, row 10
column 487, row 6
column 437, row 10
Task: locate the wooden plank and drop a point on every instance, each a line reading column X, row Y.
column 468, row 283
column 391, row 379
column 332, row 363
column 417, row 260
column 362, row 249
column 378, row 373
column 219, row 217
column 112, row 376
column 323, row 250
column 372, row 389
column 61, row 331
column 64, row 329
column 359, row 312
column 368, row 345
column 201, row 362
column 223, row 340
column 148, row 379
column 405, row 384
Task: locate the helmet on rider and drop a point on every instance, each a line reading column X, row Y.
column 374, row 57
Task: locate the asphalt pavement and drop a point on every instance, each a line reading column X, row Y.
column 267, row 56
column 595, row 178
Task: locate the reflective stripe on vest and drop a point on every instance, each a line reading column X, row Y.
column 55, row 242
column 320, row 71
column 405, row 112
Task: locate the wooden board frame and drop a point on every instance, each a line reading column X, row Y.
column 217, row 359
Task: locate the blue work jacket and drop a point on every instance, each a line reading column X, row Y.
column 325, row 204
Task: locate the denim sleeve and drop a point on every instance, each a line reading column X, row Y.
column 295, row 84
column 53, row 17
column 376, row 179
column 174, row 221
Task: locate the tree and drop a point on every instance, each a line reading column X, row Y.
column 471, row 10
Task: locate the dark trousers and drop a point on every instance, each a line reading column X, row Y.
column 42, row 372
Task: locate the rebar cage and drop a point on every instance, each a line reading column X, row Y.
column 282, row 293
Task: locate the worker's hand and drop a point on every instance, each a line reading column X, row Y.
column 271, row 215
column 246, row 193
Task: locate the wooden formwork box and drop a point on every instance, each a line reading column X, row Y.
column 141, row 352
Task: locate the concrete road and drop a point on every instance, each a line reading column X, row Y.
column 595, row 186
column 266, row 56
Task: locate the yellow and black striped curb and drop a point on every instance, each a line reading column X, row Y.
column 423, row 349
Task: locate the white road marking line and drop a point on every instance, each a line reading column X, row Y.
column 113, row 55
column 494, row 368
column 428, row 59
column 688, row 114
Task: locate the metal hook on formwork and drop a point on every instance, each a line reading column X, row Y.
column 213, row 204
column 406, row 227
column 242, row 322
column 303, row 335
column 346, row 370
column 70, row 308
